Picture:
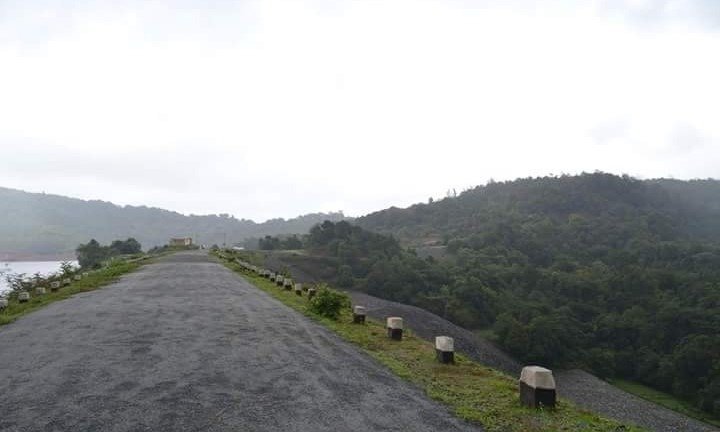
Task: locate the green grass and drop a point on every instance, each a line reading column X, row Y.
column 93, row 281
column 666, row 400
column 472, row 391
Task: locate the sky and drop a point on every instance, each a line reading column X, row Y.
column 265, row 109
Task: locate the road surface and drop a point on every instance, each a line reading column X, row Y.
column 186, row 345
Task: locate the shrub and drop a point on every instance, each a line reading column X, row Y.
column 329, row 302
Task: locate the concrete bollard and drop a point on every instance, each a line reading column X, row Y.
column 85, row 274
column 537, row 387
column 395, row 328
column 66, row 281
column 24, row 297
column 3, row 303
column 40, row 290
column 311, row 293
column 445, row 349
column 288, row 283
column 272, row 277
column 359, row 315
column 279, row 280
column 54, row 286
column 77, row 277
column 298, row 289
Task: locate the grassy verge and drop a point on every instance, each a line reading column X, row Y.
column 472, row 391
column 666, row 400
column 93, row 281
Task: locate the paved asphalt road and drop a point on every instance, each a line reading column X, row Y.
column 186, row 345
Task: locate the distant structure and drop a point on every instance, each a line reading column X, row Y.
column 186, row 241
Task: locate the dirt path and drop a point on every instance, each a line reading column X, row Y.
column 186, row 345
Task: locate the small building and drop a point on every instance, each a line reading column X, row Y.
column 181, row 242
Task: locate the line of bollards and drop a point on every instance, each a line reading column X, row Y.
column 278, row 279
column 24, row 296
column 536, row 384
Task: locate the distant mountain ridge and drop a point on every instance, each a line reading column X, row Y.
column 37, row 225
column 669, row 209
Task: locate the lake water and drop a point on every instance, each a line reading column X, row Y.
column 29, row 268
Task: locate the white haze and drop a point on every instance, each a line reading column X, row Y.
column 266, row 109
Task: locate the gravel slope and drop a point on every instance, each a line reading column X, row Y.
column 186, row 345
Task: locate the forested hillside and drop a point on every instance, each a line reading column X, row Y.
column 627, row 209
column 38, row 225
column 608, row 273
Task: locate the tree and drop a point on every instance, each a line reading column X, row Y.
column 91, row 255
column 127, row 247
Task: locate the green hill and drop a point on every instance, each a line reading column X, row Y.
column 621, row 207
column 38, row 225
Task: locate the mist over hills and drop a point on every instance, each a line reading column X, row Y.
column 37, row 225
column 615, row 209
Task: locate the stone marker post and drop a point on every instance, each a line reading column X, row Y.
column 395, row 328
column 3, row 303
column 54, row 286
column 288, row 283
column 66, row 281
column 77, row 277
column 24, row 297
column 40, row 290
column 537, row 387
column 359, row 315
column 445, row 349
column 311, row 293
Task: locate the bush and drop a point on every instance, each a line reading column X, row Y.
column 329, row 302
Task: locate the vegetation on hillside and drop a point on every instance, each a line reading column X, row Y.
column 612, row 274
column 33, row 224
column 274, row 243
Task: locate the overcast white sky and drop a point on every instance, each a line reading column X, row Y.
column 274, row 109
